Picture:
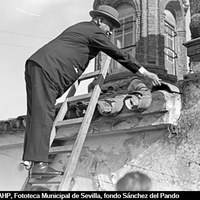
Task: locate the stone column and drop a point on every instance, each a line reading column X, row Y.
column 193, row 46
column 191, row 90
column 181, row 69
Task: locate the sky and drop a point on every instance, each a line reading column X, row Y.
column 26, row 25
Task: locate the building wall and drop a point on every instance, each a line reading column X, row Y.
column 171, row 163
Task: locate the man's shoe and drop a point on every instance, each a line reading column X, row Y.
column 43, row 169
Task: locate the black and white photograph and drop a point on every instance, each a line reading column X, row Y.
column 99, row 96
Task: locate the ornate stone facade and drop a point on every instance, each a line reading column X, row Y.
column 150, row 30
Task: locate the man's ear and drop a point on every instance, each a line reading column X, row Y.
column 99, row 21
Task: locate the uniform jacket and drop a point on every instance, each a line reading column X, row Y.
column 67, row 56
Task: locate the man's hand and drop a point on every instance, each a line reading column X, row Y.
column 151, row 76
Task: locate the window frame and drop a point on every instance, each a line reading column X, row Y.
column 170, row 50
column 128, row 48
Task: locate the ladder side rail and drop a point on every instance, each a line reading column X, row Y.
column 73, row 160
column 25, row 183
column 62, row 111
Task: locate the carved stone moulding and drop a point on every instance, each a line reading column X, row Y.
column 193, row 51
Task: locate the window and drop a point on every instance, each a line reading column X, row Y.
column 170, row 51
column 124, row 37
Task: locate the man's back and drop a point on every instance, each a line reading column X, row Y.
column 72, row 48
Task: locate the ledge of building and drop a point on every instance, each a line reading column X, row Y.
column 164, row 109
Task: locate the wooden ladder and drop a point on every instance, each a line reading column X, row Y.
column 65, row 180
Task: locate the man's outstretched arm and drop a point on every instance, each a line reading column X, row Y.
column 155, row 80
column 125, row 59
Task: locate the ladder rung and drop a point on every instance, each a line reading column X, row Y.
column 69, row 122
column 79, row 97
column 50, row 180
column 89, row 75
column 61, row 149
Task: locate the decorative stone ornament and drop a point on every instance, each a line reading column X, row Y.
column 195, row 18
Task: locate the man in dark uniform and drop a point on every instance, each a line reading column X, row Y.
column 55, row 67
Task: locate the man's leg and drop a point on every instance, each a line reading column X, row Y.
column 41, row 98
column 29, row 105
